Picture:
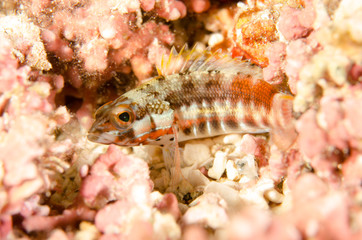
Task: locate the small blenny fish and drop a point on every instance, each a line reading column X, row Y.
column 196, row 95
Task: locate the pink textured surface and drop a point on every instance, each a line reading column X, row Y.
column 53, row 180
column 112, row 177
column 10, row 75
column 295, row 24
column 169, row 204
column 312, row 139
column 68, row 217
column 273, row 73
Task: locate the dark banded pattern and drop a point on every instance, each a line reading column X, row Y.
column 195, row 89
column 205, row 104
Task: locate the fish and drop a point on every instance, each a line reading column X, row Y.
column 196, row 94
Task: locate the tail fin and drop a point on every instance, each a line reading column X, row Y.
column 283, row 134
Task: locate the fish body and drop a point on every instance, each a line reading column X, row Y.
column 203, row 95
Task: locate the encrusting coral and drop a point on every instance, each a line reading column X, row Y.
column 61, row 60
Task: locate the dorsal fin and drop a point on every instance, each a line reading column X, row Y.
column 200, row 60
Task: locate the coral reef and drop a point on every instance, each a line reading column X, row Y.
column 60, row 60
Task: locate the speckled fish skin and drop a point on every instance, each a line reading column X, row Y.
column 209, row 96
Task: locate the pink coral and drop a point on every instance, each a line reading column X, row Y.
column 25, row 41
column 198, row 6
column 69, row 216
column 10, row 75
column 257, row 224
column 114, row 176
column 315, row 207
column 169, row 204
column 273, row 73
column 352, row 172
column 58, row 234
column 6, row 225
column 282, row 164
column 57, row 45
column 29, row 117
column 171, row 9
column 331, row 120
column 113, row 215
column 255, row 146
column 312, row 139
column 32, row 207
column 94, row 54
column 25, row 181
column 103, row 38
column 295, row 23
column 298, row 53
column 98, row 34
column 353, row 113
column 194, row 232
column 210, row 211
column 147, row 5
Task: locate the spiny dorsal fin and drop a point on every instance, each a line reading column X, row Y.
column 200, row 60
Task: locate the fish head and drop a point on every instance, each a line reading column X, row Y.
column 125, row 122
column 114, row 123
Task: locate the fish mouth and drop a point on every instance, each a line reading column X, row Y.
column 93, row 137
column 102, row 139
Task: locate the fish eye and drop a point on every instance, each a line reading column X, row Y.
column 124, row 116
